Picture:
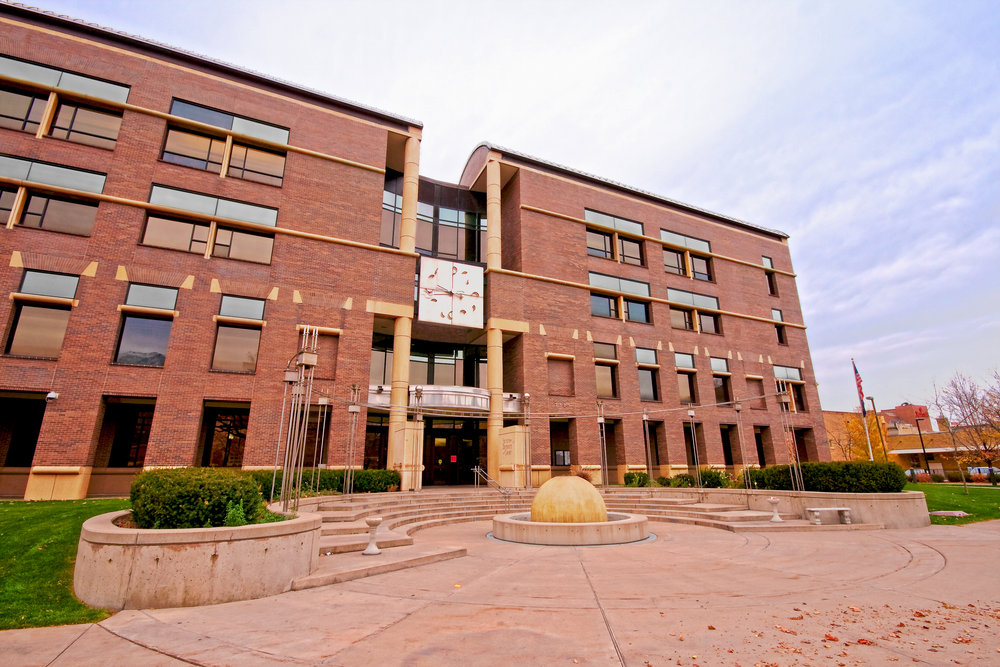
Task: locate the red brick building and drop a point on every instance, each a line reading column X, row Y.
column 173, row 224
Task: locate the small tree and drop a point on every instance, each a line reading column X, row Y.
column 975, row 409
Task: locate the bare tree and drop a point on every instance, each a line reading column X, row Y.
column 975, row 410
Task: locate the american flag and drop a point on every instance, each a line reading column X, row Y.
column 861, row 393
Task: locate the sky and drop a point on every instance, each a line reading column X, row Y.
column 867, row 130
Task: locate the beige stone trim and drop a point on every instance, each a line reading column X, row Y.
column 146, row 310
column 323, row 331
column 516, row 326
column 15, row 259
column 226, row 319
column 388, row 309
column 121, row 273
column 188, row 283
column 54, row 300
column 557, row 355
column 57, row 483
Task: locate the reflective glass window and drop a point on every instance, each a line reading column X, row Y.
column 151, row 296
column 684, row 241
column 599, row 244
column 21, row 111
column 38, row 330
column 241, row 306
column 630, row 251
column 176, row 235
column 681, row 319
column 194, row 150
column 720, row 365
column 701, row 268
column 607, row 384
column 685, row 387
column 59, row 215
column 86, row 126
column 647, row 385
column 605, row 351
column 603, row 306
column 6, row 204
column 645, row 355
column 44, row 283
column 245, row 246
column 143, row 341
column 683, row 360
column 709, row 323
column 236, row 349
column 787, row 373
column 637, row 311
column 721, row 385
column 673, row 261
column 254, row 164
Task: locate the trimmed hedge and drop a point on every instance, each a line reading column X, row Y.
column 835, row 476
column 327, row 481
column 636, row 479
column 193, row 497
column 714, row 479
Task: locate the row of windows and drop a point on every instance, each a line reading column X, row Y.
column 38, row 328
column 788, row 379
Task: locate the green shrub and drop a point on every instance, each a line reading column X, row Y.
column 193, row 497
column 937, row 477
column 326, row 481
column 714, row 479
column 835, row 476
column 953, row 475
column 235, row 516
column 636, row 479
column 682, row 480
column 662, row 481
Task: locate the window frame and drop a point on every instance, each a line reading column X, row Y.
column 229, row 322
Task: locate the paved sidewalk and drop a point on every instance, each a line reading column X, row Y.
column 693, row 596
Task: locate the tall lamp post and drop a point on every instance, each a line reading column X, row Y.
column 927, row 465
column 878, row 425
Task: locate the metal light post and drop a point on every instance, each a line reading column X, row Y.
column 649, row 457
column 694, row 449
column 954, row 445
column 527, row 440
column 878, row 425
column 927, row 465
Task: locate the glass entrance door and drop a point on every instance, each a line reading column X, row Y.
column 452, row 447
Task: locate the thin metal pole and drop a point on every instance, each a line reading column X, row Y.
column 878, row 425
column 604, row 444
column 649, row 454
column 743, row 455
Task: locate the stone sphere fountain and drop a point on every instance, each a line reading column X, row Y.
column 570, row 511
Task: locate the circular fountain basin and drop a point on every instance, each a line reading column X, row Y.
column 618, row 529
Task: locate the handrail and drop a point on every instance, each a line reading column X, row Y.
column 481, row 474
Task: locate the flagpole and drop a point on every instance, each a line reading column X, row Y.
column 864, row 415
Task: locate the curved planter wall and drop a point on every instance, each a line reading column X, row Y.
column 125, row 568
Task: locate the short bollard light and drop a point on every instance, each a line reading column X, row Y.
column 373, row 522
column 774, row 509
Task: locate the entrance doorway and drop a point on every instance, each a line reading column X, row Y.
column 452, row 448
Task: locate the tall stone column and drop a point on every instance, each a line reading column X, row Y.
column 411, row 186
column 399, row 394
column 494, row 336
column 492, row 214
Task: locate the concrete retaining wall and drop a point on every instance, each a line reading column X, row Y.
column 907, row 509
column 123, row 568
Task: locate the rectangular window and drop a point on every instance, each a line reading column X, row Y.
column 59, row 215
column 255, row 164
column 772, row 283
column 630, row 251
column 83, row 125
column 144, row 336
column 603, row 306
column 637, row 311
column 619, row 284
column 7, row 198
column 607, row 351
column 648, row 390
column 722, row 391
column 621, row 224
column 692, row 299
column 673, row 262
column 709, row 323
column 766, row 262
column 237, row 344
column 392, row 215
column 683, row 360
column 682, row 241
column 755, row 391
column 213, row 206
column 44, row 283
column 787, row 373
column 681, row 319
column 68, row 81
column 776, row 315
column 701, row 268
column 21, row 111
column 176, row 234
column 228, row 121
column 194, row 150
column 719, row 365
column 645, row 355
column 607, row 382
column 44, row 173
column 236, row 244
column 560, row 457
column 38, row 330
column 599, row 244
column 686, row 387
column 779, row 332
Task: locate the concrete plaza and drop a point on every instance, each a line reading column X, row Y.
column 692, row 596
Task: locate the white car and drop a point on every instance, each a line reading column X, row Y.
column 984, row 471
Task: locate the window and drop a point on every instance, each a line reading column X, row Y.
column 720, row 380
column 603, row 306
column 787, row 373
column 600, row 244
column 84, row 125
column 380, row 369
column 766, row 262
column 617, row 284
column 228, row 121
column 63, row 80
column 649, row 389
column 613, row 222
column 681, row 319
column 673, row 262
column 199, row 151
column 606, row 360
column 21, row 111
column 392, row 215
column 630, row 251
column 39, row 328
column 772, row 283
column 255, row 164
column 701, row 268
column 692, row 299
column 637, row 311
column 196, row 237
column 684, row 363
column 238, row 337
column 788, row 381
column 59, row 215
column 559, row 442
column 779, row 329
column 44, row 173
column 6, row 204
column 709, row 323
column 145, row 333
column 755, row 390
column 682, row 241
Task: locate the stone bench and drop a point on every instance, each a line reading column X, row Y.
column 813, row 514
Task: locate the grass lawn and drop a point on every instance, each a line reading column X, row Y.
column 37, row 550
column 982, row 503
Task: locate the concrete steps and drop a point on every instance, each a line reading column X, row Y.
column 351, row 566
